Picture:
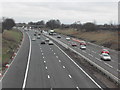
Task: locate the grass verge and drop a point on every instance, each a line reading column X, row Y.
column 10, row 41
column 105, row 38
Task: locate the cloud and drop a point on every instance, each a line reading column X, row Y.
column 67, row 12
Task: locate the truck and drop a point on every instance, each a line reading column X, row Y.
column 51, row 32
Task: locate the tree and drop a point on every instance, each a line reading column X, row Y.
column 89, row 27
column 52, row 24
column 8, row 24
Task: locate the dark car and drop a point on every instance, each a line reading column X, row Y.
column 58, row 36
column 35, row 34
column 42, row 42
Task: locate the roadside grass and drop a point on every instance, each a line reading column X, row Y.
column 105, row 38
column 0, row 51
column 10, row 41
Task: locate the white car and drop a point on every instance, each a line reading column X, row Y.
column 105, row 56
column 38, row 37
column 83, row 47
column 68, row 38
column 33, row 39
column 50, row 42
column 47, row 39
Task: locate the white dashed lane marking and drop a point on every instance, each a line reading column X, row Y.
column 70, row 76
column 56, row 56
column 108, row 65
column 48, row 76
column 77, row 87
column 90, row 55
column 63, row 66
column 93, row 51
column 46, row 68
column 98, row 59
column 84, row 51
column 59, row 60
column 54, row 53
column 44, row 61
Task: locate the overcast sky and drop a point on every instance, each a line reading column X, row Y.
column 67, row 11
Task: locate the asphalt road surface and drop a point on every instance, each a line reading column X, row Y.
column 45, row 66
column 93, row 53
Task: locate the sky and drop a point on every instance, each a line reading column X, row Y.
column 67, row 11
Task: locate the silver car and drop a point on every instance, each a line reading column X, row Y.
column 33, row 39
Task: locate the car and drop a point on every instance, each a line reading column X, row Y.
column 38, row 37
column 82, row 43
column 105, row 51
column 50, row 42
column 39, row 33
column 105, row 56
column 43, row 42
column 47, row 39
column 68, row 39
column 83, row 47
column 54, row 33
column 74, row 44
column 33, row 39
column 58, row 36
column 35, row 34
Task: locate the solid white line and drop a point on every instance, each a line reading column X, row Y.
column 13, row 59
column 26, row 73
column 79, row 67
column 70, row 76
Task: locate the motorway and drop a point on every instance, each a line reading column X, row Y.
column 45, row 66
column 92, row 52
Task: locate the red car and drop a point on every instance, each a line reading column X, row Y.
column 105, row 51
column 82, row 43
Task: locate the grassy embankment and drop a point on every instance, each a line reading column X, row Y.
column 10, row 41
column 105, row 38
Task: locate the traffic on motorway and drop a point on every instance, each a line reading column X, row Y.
column 48, row 66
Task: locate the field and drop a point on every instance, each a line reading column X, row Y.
column 10, row 41
column 105, row 38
